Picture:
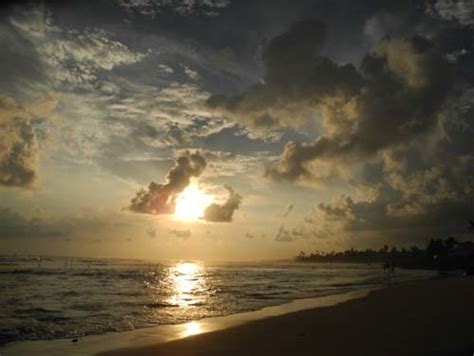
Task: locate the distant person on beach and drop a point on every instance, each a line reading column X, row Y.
column 389, row 270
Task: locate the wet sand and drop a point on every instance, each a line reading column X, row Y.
column 434, row 317
column 95, row 344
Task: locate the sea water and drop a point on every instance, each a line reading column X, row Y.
column 63, row 297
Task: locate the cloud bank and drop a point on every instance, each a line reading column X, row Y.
column 406, row 82
column 223, row 212
column 397, row 129
column 296, row 79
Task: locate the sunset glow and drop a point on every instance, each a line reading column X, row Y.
column 193, row 166
column 186, row 280
column 191, row 203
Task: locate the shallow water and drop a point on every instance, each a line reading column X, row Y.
column 69, row 298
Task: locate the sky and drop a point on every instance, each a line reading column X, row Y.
column 234, row 129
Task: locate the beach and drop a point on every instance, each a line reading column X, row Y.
column 93, row 297
column 232, row 177
column 432, row 317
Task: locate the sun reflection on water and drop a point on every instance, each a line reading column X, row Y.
column 188, row 282
column 192, row 328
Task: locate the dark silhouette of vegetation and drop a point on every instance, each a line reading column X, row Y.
column 447, row 254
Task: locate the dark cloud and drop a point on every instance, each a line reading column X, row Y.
column 406, row 83
column 395, row 96
column 223, row 212
column 391, row 116
column 297, row 77
column 18, row 145
column 423, row 189
column 408, row 203
column 391, row 218
column 161, row 198
column 182, row 234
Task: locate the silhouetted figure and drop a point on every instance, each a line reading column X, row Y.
column 389, row 270
column 392, row 268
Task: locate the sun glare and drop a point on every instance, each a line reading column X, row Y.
column 187, row 268
column 191, row 328
column 189, row 283
column 191, row 203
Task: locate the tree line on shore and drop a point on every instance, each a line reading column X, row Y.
column 442, row 254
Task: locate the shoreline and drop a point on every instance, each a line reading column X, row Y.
column 150, row 336
column 428, row 317
column 210, row 333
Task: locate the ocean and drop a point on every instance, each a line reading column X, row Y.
column 63, row 297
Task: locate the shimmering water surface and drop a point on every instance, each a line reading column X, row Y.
column 64, row 297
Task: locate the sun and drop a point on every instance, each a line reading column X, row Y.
column 191, row 203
